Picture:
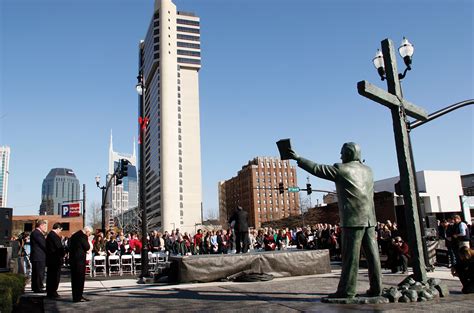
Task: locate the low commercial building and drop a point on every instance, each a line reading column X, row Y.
column 440, row 193
column 22, row 223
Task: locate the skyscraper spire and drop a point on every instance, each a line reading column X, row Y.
column 111, row 146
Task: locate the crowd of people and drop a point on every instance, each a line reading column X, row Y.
column 32, row 251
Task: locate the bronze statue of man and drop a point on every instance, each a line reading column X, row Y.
column 355, row 190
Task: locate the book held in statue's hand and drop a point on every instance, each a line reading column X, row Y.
column 284, row 146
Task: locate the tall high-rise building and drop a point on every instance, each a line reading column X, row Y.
column 255, row 189
column 125, row 195
column 59, row 186
column 169, row 60
column 4, row 168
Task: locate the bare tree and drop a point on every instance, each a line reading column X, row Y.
column 94, row 215
column 210, row 214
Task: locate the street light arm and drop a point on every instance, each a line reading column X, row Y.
column 440, row 113
column 108, row 186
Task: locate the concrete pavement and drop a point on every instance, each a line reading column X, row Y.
column 290, row 294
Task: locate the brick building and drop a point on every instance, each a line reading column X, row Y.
column 22, row 223
column 255, row 188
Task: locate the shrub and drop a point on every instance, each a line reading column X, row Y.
column 12, row 286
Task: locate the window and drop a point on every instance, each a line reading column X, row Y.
column 189, row 61
column 28, row 227
column 65, row 226
column 187, row 29
column 189, row 45
column 191, row 53
column 187, row 22
column 188, row 37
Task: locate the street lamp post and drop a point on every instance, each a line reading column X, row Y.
column 441, row 112
column 386, row 64
column 105, row 190
column 120, row 172
column 143, row 121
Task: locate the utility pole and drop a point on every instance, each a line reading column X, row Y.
column 83, row 205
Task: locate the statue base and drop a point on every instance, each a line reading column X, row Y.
column 356, row 300
column 408, row 290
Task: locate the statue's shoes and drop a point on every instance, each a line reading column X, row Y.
column 371, row 293
column 338, row 296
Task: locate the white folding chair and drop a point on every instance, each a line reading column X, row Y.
column 162, row 257
column 152, row 260
column 126, row 264
column 99, row 265
column 114, row 265
column 137, row 263
column 89, row 264
column 161, row 262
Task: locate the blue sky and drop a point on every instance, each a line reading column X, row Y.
column 270, row 70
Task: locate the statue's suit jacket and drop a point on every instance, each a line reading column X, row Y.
column 355, row 190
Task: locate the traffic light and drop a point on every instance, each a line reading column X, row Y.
column 308, row 189
column 280, row 188
column 118, row 180
column 124, row 167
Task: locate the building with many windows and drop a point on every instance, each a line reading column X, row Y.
column 4, row 168
column 59, row 186
column 124, row 196
column 169, row 61
column 255, row 189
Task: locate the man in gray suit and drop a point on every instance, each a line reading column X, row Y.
column 355, row 190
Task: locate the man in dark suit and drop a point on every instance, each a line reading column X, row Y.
column 241, row 230
column 38, row 255
column 54, row 260
column 79, row 245
column 355, row 191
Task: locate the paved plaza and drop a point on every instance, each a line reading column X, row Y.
column 291, row 294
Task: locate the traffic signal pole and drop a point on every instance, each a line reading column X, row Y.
column 119, row 173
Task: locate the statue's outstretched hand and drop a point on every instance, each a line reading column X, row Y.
column 292, row 154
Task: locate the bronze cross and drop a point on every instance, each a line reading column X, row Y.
column 400, row 108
